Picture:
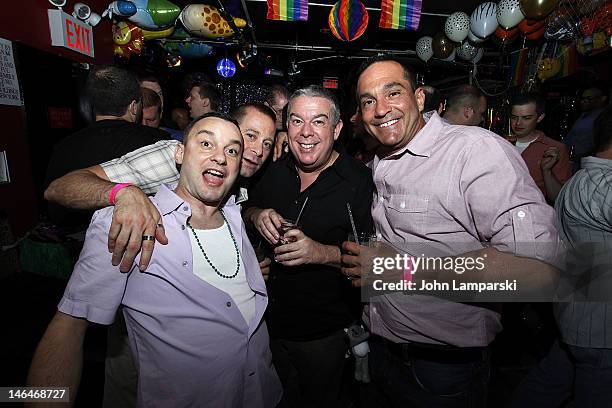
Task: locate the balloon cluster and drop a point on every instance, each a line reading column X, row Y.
column 501, row 21
column 156, row 19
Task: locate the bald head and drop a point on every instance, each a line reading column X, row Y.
column 466, row 105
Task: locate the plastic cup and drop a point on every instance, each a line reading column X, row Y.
column 286, row 226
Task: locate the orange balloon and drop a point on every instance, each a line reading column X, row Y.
column 531, row 26
column 536, row 34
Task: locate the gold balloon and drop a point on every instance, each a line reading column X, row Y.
column 442, row 46
column 538, row 9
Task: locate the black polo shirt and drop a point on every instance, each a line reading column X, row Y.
column 311, row 301
column 99, row 142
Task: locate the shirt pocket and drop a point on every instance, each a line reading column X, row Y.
column 407, row 213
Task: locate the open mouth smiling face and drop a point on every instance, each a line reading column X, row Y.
column 311, row 131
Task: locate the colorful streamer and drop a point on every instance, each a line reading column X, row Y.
column 288, row 10
column 400, row 14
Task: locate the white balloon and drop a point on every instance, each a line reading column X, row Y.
column 467, row 51
column 483, row 21
column 478, row 56
column 457, row 26
column 474, row 39
column 424, row 48
column 509, row 13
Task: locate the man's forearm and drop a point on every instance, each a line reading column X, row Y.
column 331, row 255
column 58, row 359
column 81, row 189
column 532, row 275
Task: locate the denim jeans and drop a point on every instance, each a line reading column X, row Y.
column 585, row 373
column 416, row 382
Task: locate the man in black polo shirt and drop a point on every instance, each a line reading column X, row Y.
column 309, row 298
column 115, row 96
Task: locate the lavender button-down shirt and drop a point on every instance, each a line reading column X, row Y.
column 191, row 344
column 450, row 189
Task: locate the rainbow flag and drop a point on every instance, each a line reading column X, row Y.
column 518, row 66
column 568, row 57
column 288, row 10
column 400, row 14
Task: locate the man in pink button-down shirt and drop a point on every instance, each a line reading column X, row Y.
column 443, row 189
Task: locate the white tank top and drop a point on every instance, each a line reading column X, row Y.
column 219, row 247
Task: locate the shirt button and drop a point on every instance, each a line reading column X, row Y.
column 185, row 208
column 403, row 204
column 228, row 304
column 185, row 263
column 182, row 227
column 521, row 214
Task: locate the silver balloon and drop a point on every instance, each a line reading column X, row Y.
column 563, row 24
column 509, row 13
column 457, row 26
column 478, row 56
column 424, row 48
column 483, row 20
column 467, row 51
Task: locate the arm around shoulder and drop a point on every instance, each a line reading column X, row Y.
column 81, row 189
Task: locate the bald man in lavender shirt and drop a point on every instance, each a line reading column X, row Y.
column 195, row 316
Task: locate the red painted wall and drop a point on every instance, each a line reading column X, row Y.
column 26, row 21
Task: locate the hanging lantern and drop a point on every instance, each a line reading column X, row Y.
column 348, row 20
column 226, row 68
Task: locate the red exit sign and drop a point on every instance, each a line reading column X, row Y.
column 71, row 33
column 330, row 82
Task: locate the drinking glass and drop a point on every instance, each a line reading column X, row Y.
column 286, row 226
column 364, row 238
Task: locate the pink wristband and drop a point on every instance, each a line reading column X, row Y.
column 115, row 190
